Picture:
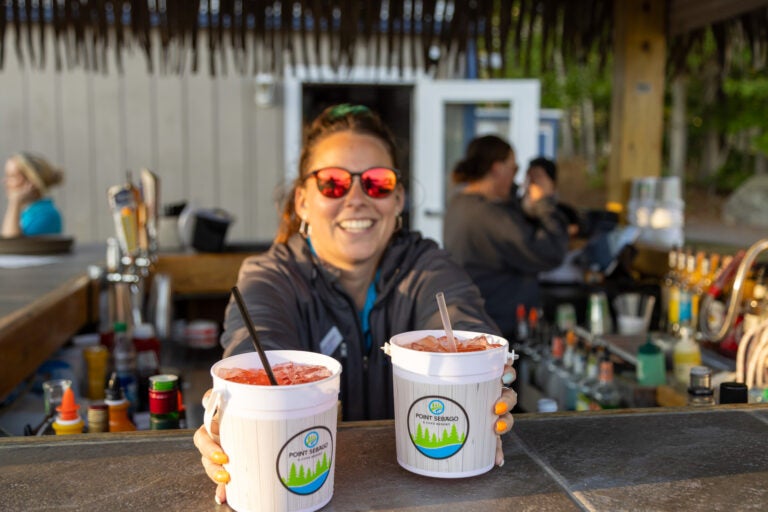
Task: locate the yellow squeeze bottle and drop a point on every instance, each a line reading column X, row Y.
column 68, row 421
column 686, row 355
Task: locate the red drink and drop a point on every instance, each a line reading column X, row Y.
column 285, row 374
column 441, row 344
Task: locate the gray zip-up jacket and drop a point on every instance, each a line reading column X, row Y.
column 504, row 248
column 297, row 303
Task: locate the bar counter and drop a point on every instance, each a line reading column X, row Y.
column 647, row 459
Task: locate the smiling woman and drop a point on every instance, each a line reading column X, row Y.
column 343, row 276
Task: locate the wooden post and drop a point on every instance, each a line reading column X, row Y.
column 639, row 55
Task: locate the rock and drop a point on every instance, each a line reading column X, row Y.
column 747, row 205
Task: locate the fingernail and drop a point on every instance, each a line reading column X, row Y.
column 217, row 499
column 500, row 408
column 501, row 463
column 501, row 426
column 508, row 378
column 219, row 457
column 222, row 476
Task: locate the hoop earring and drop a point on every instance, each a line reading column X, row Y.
column 399, row 222
column 305, row 229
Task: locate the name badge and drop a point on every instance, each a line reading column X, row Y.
column 330, row 341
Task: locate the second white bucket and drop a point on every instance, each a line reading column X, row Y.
column 444, row 405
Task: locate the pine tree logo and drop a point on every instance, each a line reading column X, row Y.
column 305, row 461
column 438, row 426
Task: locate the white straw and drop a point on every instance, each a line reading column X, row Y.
column 446, row 321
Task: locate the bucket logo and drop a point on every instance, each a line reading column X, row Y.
column 438, row 426
column 304, row 462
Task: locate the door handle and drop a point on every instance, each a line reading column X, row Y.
column 434, row 213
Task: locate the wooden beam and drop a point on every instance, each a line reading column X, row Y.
column 688, row 15
column 33, row 334
column 201, row 273
column 639, row 55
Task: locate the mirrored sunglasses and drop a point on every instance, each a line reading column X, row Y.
column 335, row 182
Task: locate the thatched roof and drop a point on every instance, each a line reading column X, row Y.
column 269, row 35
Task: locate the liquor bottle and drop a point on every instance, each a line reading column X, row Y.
column 667, row 282
column 685, row 311
column 673, row 309
column 755, row 306
column 700, row 288
column 574, row 376
column 125, row 366
column 557, row 375
column 522, row 326
column 147, row 360
column 606, row 394
column 587, row 384
column 700, row 391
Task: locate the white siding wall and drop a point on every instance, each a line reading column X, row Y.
column 205, row 137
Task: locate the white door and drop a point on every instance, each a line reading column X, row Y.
column 447, row 115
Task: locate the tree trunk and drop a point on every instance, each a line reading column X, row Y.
column 711, row 155
column 566, row 132
column 588, row 134
column 678, row 128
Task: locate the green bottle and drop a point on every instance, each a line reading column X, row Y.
column 651, row 370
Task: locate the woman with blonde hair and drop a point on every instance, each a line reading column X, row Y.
column 30, row 211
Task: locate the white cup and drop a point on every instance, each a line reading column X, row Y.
column 444, row 405
column 631, row 324
column 280, row 440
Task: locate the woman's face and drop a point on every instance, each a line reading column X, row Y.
column 15, row 181
column 352, row 230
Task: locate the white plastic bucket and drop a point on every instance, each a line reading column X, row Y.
column 444, row 405
column 280, row 440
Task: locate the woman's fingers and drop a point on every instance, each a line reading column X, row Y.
column 505, row 420
column 499, row 453
column 221, row 494
column 509, row 376
column 213, row 457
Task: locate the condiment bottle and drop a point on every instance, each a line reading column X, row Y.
column 700, row 391
column 686, row 355
column 68, row 420
column 96, row 361
column 118, row 407
column 650, row 367
column 98, row 417
column 163, row 402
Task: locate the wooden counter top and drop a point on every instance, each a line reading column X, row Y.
column 41, row 307
column 654, row 459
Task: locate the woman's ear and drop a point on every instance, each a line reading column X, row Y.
column 300, row 202
column 400, row 198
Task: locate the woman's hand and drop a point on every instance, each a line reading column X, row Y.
column 502, row 408
column 212, row 456
column 21, row 194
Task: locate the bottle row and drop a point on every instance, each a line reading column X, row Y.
column 576, row 373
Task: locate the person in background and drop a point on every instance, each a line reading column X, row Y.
column 343, row 276
column 570, row 213
column 30, row 212
column 503, row 241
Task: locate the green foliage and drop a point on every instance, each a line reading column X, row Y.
column 303, row 476
column 427, row 439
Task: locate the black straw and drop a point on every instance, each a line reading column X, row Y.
column 254, row 338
